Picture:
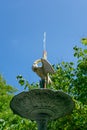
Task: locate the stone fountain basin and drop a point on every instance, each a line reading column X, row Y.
column 42, row 103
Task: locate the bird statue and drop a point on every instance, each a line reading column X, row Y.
column 44, row 70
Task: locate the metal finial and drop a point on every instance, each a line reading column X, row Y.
column 44, row 41
column 44, row 47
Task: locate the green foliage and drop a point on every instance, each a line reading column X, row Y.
column 72, row 80
column 9, row 121
column 84, row 41
column 80, row 81
column 23, row 82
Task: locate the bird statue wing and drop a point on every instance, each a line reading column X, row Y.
column 47, row 66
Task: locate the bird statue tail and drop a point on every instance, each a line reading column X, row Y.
column 45, row 54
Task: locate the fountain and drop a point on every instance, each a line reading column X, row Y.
column 42, row 104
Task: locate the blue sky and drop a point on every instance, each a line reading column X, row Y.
column 22, row 24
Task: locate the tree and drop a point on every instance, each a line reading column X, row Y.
column 9, row 121
column 74, row 82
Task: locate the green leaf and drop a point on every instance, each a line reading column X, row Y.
column 22, row 82
column 19, row 77
column 84, row 41
column 85, row 51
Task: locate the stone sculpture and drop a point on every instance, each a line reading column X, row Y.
column 42, row 104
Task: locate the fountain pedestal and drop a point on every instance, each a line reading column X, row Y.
column 42, row 121
column 42, row 105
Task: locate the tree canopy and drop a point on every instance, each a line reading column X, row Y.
column 70, row 78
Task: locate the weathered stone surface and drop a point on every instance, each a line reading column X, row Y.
column 37, row 102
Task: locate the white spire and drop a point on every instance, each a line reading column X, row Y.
column 44, row 41
column 44, row 47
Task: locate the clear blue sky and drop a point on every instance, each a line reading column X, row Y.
column 22, row 24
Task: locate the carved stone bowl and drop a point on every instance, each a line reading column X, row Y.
column 42, row 103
